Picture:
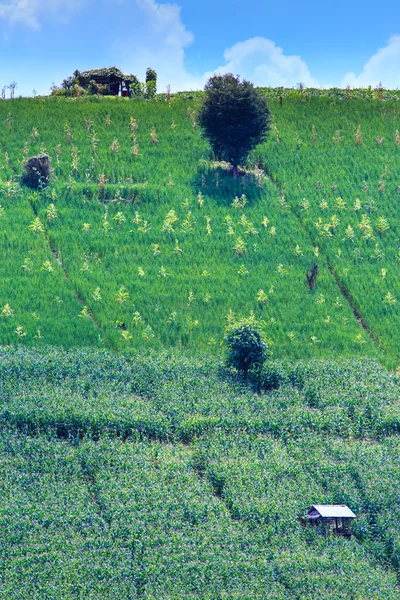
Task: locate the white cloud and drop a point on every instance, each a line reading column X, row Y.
column 163, row 39
column 29, row 12
column 160, row 38
column 383, row 67
column 262, row 62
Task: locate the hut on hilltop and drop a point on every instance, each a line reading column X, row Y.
column 113, row 81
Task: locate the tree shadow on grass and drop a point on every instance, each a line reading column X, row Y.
column 215, row 180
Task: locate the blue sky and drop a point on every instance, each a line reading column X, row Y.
column 275, row 42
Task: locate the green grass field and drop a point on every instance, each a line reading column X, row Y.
column 141, row 243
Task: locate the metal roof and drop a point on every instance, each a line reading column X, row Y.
column 333, row 510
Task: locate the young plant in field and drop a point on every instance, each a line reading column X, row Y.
column 337, row 138
column 339, row 204
column 188, row 223
column 51, row 212
column 349, row 233
column 20, row 331
column 144, row 227
column 37, row 226
column 297, row 252
column 313, row 134
column 120, row 219
column 153, row 136
column 122, row 296
column 243, row 271
column 359, row 339
column 239, row 203
column 389, row 299
column 177, row 249
column 68, row 133
column 358, row 136
column 47, row 266
column 96, row 295
column 135, row 148
column 240, row 247
column 74, row 159
column 172, row 318
column 85, row 313
column 163, row 272
column 137, row 318
column 7, row 311
column 27, row 265
column 148, row 333
column 262, row 297
column 115, row 147
column 305, row 204
column 382, row 225
column 281, row 270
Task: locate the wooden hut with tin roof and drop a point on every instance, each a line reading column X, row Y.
column 331, row 518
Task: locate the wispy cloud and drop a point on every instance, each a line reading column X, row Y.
column 383, row 66
column 30, row 12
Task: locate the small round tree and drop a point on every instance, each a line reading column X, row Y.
column 234, row 116
column 247, row 347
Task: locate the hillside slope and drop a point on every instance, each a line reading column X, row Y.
column 142, row 241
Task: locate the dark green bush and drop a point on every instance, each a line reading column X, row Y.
column 37, row 172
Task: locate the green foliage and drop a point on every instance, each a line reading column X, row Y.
column 246, row 346
column 234, row 116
